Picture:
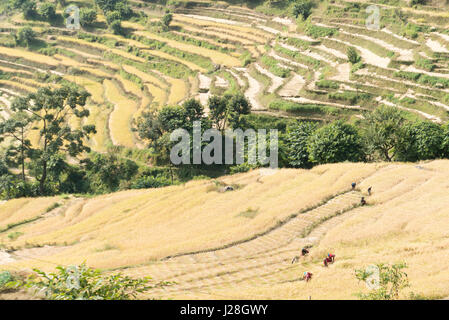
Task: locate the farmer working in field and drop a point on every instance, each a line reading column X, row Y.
column 363, row 201
column 329, row 259
column 307, row 276
column 304, row 251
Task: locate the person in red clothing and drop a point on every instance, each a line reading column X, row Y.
column 329, row 259
column 307, row 276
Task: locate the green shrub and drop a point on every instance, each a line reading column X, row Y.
column 116, row 27
column 87, row 17
column 273, row 66
column 353, row 56
column 47, row 11
column 302, row 8
column 294, row 107
column 84, row 283
column 390, row 281
column 327, row 84
column 349, row 96
column 5, row 277
column 244, row 167
column 319, row 32
column 25, row 36
column 425, row 64
column 150, row 182
column 14, row 235
column 336, row 142
column 407, row 75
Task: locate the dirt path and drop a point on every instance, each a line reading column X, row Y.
column 410, row 83
column 309, row 53
column 284, row 21
column 205, row 82
column 221, row 82
column 434, row 74
column 287, row 61
column 293, row 86
column 240, row 81
column 404, row 54
column 368, row 56
column 204, row 98
column 254, row 88
column 5, row 258
column 435, row 46
column 332, row 104
column 343, row 72
column 400, row 37
column 276, row 81
column 333, row 52
column 217, row 20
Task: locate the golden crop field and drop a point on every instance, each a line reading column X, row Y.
column 178, row 90
column 12, row 70
column 217, row 34
column 405, row 220
column 93, row 87
column 17, row 85
column 216, row 57
column 98, row 116
column 159, row 95
column 239, row 29
column 144, row 76
column 31, row 56
column 120, row 118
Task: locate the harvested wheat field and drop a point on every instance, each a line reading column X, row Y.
column 239, row 244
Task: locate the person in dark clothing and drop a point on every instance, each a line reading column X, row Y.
column 369, row 191
column 363, row 201
column 304, row 251
column 353, row 185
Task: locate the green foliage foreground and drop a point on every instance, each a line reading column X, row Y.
column 387, row 281
column 84, row 283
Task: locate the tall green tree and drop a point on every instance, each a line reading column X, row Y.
column 421, row 140
column 229, row 109
column 87, row 16
column 28, row 7
column 218, row 111
column 50, row 109
column 336, row 142
column 384, row 129
column 238, row 106
column 25, row 36
column 167, row 19
column 47, row 11
column 19, row 149
column 302, row 8
column 297, row 139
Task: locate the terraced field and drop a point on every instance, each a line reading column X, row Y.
column 211, row 247
column 269, row 58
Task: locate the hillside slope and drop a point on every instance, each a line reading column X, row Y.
column 285, row 68
column 239, row 244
